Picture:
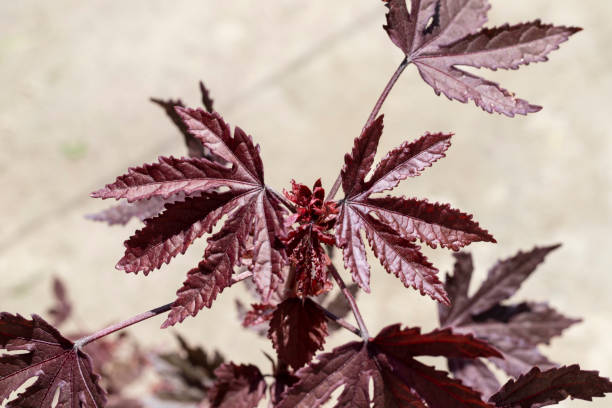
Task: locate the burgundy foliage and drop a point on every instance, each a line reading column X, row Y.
column 392, row 224
column 515, row 330
column 55, row 360
column 538, row 389
column 399, row 379
column 285, row 243
column 439, row 36
column 254, row 214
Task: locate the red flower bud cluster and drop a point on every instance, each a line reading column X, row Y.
column 314, row 218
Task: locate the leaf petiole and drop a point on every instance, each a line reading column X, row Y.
column 379, row 103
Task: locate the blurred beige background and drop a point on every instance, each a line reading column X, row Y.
column 301, row 77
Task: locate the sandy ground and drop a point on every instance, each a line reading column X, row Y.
column 301, row 77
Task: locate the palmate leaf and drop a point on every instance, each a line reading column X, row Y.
column 514, row 330
column 542, row 388
column 399, row 379
column 438, row 36
column 391, row 224
column 56, row 362
column 254, row 224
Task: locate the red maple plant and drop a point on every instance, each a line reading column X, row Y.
column 282, row 243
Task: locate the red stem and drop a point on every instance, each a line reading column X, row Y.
column 351, row 300
column 372, row 117
column 340, row 321
column 83, row 341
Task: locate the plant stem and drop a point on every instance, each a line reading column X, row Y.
column 340, row 321
column 365, row 335
column 373, row 114
column 386, row 91
column 83, row 341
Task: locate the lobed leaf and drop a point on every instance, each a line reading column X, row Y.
column 515, row 330
column 440, row 35
column 229, row 183
column 392, row 223
column 58, row 365
column 399, row 380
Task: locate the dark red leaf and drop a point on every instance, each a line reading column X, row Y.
column 254, row 228
column 56, row 362
column 515, row 330
column 538, row 389
column 392, row 223
column 439, row 35
column 344, row 366
column 236, row 386
column 298, row 329
column 409, row 342
column 399, row 380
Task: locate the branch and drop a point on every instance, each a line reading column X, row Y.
column 83, row 341
column 351, row 300
column 372, row 117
